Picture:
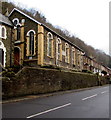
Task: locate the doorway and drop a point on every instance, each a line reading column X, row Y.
column 17, row 56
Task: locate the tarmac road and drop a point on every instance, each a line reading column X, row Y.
column 92, row 103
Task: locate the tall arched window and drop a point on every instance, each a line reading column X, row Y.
column 73, row 55
column 67, row 53
column 78, row 58
column 17, row 27
column 2, row 54
column 30, row 44
column 18, row 32
column 49, row 44
column 3, row 32
column 59, row 49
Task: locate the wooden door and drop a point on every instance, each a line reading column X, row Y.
column 16, row 56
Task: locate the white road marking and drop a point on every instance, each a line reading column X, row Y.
column 89, row 97
column 103, row 92
column 49, row 110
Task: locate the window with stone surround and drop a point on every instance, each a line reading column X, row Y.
column 3, row 32
column 17, row 27
column 59, row 49
column 30, row 43
column 18, row 32
column 2, row 54
column 50, row 47
column 78, row 57
column 67, row 52
column 15, row 21
column 73, row 55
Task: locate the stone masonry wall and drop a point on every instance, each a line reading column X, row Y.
column 31, row 81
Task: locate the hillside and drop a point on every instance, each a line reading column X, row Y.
column 90, row 51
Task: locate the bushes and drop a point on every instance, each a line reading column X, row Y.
column 87, row 71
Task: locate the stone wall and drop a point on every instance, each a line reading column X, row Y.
column 36, row 81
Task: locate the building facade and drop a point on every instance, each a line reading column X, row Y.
column 34, row 44
column 6, row 41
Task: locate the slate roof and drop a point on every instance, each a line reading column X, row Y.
column 5, row 20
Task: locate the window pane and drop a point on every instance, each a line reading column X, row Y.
column 3, row 32
column 59, row 51
column 72, row 57
column 67, row 54
column 15, row 22
column 1, row 56
column 18, row 32
column 50, row 47
column 31, row 46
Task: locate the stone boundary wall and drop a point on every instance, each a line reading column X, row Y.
column 31, row 81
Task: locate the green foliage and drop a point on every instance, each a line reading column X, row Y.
column 87, row 71
column 8, row 74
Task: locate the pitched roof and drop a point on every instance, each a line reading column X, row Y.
column 15, row 9
column 5, row 20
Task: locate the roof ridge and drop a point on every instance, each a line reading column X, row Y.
column 24, row 15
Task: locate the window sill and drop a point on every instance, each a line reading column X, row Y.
column 4, row 37
column 50, row 57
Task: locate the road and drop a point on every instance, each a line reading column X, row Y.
column 93, row 103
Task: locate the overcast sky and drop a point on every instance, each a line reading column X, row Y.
column 87, row 19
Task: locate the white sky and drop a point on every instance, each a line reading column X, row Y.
column 87, row 19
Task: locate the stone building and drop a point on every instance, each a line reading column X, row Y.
column 26, row 42
column 36, row 44
column 6, row 40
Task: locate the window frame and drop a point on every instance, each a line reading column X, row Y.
column 59, row 49
column 4, row 50
column 16, row 20
column 67, row 52
column 28, row 50
column 18, row 32
column 73, row 55
column 78, row 57
column 1, row 32
column 50, row 47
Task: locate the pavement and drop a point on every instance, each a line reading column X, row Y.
column 87, row 103
column 27, row 97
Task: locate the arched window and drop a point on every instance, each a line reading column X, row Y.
column 73, row 55
column 67, row 52
column 30, row 43
column 49, row 44
column 17, row 28
column 59, row 49
column 18, row 32
column 3, row 32
column 78, row 58
column 2, row 54
column 15, row 21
